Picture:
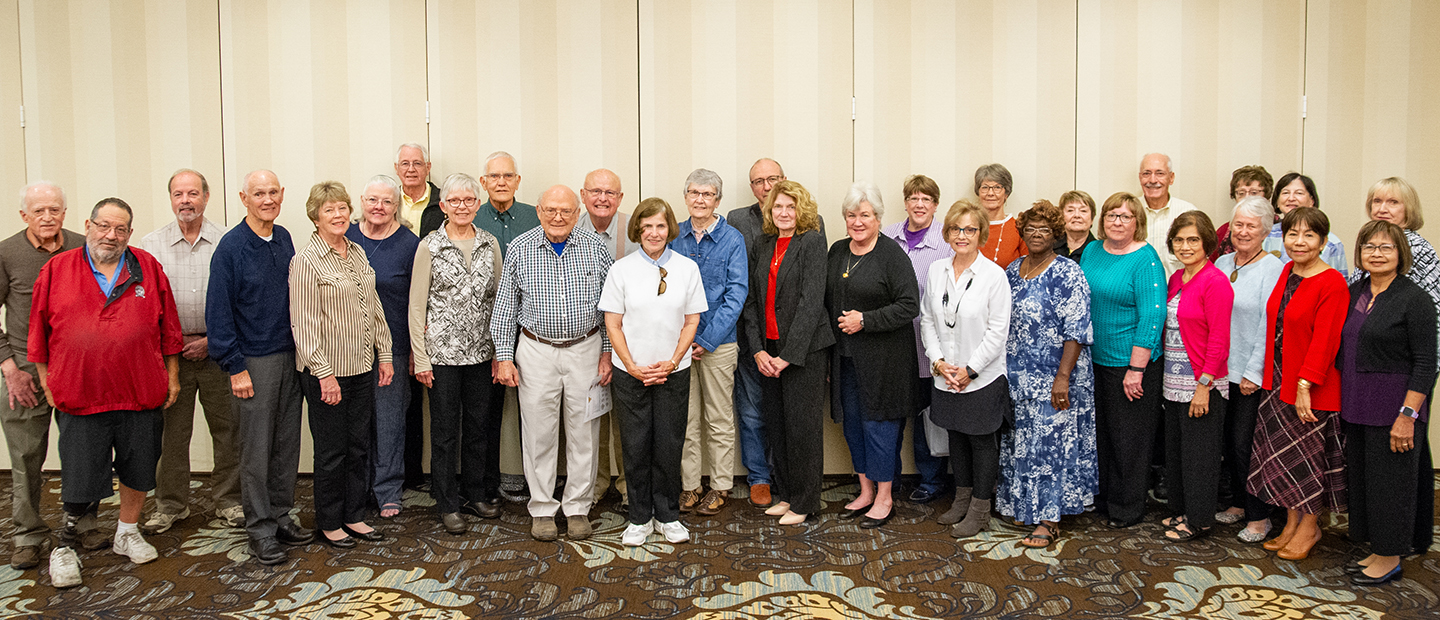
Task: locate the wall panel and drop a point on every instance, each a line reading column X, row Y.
column 12, row 137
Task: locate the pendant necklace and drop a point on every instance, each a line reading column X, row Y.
column 849, row 267
column 1235, row 274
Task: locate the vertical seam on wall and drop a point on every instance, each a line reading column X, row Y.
column 1304, row 82
column 220, row 83
column 854, row 97
column 24, row 149
column 1075, row 129
column 639, row 105
column 428, row 145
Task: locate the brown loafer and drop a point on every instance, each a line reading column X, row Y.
column 689, row 498
column 28, row 556
column 712, row 502
column 760, row 495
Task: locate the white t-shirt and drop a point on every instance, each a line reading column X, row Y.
column 652, row 322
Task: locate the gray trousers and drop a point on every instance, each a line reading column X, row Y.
column 172, row 475
column 269, row 425
column 27, row 435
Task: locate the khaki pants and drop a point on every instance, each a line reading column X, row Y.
column 711, row 428
column 27, row 435
column 172, row 475
column 554, row 386
column 604, row 448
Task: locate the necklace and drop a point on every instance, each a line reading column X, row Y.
column 1235, row 274
column 1035, row 269
column 849, row 267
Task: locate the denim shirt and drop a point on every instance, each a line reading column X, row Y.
column 720, row 254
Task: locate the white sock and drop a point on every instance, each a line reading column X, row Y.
column 122, row 527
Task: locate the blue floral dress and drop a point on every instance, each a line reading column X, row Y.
column 1048, row 463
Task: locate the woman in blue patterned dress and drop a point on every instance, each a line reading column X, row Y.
column 1048, row 460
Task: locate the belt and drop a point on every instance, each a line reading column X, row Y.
column 560, row 344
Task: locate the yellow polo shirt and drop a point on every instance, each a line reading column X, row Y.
column 415, row 208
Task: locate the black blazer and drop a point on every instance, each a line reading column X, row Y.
column 882, row 287
column 1399, row 335
column 799, row 297
column 432, row 217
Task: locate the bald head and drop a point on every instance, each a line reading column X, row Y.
column 262, row 194
column 764, row 174
column 559, row 209
column 602, row 196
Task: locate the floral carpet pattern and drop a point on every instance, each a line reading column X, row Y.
column 739, row 565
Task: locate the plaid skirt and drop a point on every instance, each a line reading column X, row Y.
column 1297, row 465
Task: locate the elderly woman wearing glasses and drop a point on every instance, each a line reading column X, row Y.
column 452, row 291
column 390, row 246
column 1003, row 244
column 964, row 322
column 872, row 298
column 1127, row 308
column 652, row 302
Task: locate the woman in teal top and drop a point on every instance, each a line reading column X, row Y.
column 1127, row 311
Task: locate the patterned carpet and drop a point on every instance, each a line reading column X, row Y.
column 739, row 565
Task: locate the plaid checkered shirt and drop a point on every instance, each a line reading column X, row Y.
column 555, row 296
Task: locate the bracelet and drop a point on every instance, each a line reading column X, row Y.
column 935, row 366
column 1303, row 384
column 1137, row 369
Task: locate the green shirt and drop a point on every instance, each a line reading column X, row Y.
column 506, row 226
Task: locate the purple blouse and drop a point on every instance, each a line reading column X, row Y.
column 1372, row 398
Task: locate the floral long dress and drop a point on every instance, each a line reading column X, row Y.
column 1048, row 462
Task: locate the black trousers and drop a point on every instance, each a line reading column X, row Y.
column 1192, row 459
column 1381, row 485
column 975, row 460
column 460, row 413
column 1241, row 412
column 341, row 433
column 1125, row 436
column 792, row 407
column 652, row 436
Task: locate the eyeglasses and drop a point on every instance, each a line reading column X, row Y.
column 1118, row 217
column 105, row 229
column 990, row 189
column 497, row 176
column 663, row 273
column 371, row 201
column 1186, row 241
column 920, row 200
column 1036, row 230
column 1384, row 249
column 554, row 212
column 968, row 231
column 406, row 165
column 456, row 203
column 771, row 180
column 604, row 193
column 697, row 194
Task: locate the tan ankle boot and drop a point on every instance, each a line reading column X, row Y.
column 976, row 519
column 957, row 509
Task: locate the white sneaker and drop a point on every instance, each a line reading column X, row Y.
column 160, row 522
column 635, row 535
column 233, row 516
column 132, row 545
column 675, row 532
column 64, row 568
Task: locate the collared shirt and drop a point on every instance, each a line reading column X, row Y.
column 930, row 249
column 725, row 271
column 1333, row 254
column 519, row 219
column 20, row 263
column 613, row 236
column 1157, row 225
column 107, row 283
column 247, row 304
column 415, row 208
column 554, row 296
column 336, row 315
column 965, row 319
column 1253, row 284
column 187, row 266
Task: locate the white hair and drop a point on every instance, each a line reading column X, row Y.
column 25, row 193
column 424, row 152
column 863, row 192
column 1169, row 163
column 501, row 155
column 1256, row 206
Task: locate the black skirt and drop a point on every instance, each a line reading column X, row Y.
column 973, row 413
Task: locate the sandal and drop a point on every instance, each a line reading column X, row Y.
column 1054, row 532
column 1175, row 534
column 1171, row 522
column 391, row 507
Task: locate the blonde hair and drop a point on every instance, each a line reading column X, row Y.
column 962, row 208
column 1399, row 188
column 807, row 213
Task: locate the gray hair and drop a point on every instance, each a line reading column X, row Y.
column 704, row 178
column 204, row 184
column 245, row 182
column 500, row 155
column 390, row 183
column 25, row 193
column 459, row 181
column 1169, row 161
column 863, row 192
column 997, row 173
column 424, row 152
column 1256, row 206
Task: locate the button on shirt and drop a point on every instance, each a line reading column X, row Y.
column 415, row 209
column 965, row 320
column 187, row 266
column 515, row 221
column 335, row 313
column 554, row 296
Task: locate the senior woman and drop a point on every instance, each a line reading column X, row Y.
column 340, row 332
column 992, row 185
column 1296, row 190
column 786, row 327
column 1395, row 200
column 1197, row 348
column 1078, row 212
column 872, row 300
column 964, row 321
column 652, row 302
column 1253, row 273
column 1387, row 366
column 1297, row 459
column 921, row 235
column 1127, row 310
column 1047, row 460
column 452, row 292
column 1245, row 181
column 390, row 246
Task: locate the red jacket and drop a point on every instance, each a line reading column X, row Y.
column 1314, row 319
column 104, row 354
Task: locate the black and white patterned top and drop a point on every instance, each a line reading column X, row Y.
column 555, row 296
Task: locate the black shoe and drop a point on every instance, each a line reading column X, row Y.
column 291, row 533
column 454, row 523
column 1361, row 579
column 871, row 523
column 267, row 551
column 1117, row 524
column 1354, row 567
column 922, row 495
column 851, row 513
column 494, row 500
column 347, row 542
column 480, row 509
column 372, row 536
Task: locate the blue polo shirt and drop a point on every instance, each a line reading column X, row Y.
column 247, row 306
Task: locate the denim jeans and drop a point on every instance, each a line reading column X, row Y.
column 754, row 450
column 391, row 402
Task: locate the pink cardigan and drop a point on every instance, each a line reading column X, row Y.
column 1204, row 315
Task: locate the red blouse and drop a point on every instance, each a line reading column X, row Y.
column 1314, row 319
column 772, row 329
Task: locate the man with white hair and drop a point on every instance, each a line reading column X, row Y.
column 502, row 215
column 24, row 412
column 420, row 199
column 1156, row 176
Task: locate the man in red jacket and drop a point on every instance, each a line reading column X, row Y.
column 105, row 338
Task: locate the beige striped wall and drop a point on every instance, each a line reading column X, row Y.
column 1066, row 93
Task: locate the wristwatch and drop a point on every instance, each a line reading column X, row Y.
column 1410, row 413
column 970, row 373
column 1207, row 382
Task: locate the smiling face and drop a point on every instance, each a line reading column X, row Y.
column 992, row 197
column 920, row 210
column 333, row 218
column 1303, row 245
column 459, row 206
column 262, row 196
column 763, row 176
column 784, row 214
column 1156, row 177
column 412, row 168
column 1294, row 195
column 654, row 234
column 1380, row 255
column 188, row 197
column 558, row 213
column 1388, row 207
column 1120, row 225
column 601, row 194
column 1078, row 216
column 1187, row 246
column 378, row 205
column 700, row 201
column 964, row 238
column 861, row 223
column 1246, row 233
column 43, row 211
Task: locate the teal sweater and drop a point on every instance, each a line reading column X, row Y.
column 1127, row 302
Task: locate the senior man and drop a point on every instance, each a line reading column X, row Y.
column 1156, row 176
column 502, row 215
column 184, row 247
column 247, row 310
column 719, row 250
column 24, row 412
column 550, row 291
column 108, row 363
column 602, row 196
column 420, row 199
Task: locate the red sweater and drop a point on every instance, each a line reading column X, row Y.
column 1314, row 319
column 104, row 354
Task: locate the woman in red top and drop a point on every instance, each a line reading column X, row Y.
column 1298, row 458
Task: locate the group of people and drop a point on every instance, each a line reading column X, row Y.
column 1046, row 366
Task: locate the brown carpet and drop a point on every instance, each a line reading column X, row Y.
column 739, row 564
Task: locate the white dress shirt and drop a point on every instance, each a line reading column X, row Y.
column 966, row 319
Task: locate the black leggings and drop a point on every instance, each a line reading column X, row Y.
column 975, row 460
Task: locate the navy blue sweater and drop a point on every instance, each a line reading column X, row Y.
column 247, row 307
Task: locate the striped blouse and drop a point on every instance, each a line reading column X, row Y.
column 335, row 313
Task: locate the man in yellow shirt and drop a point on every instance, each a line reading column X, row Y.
column 420, row 198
